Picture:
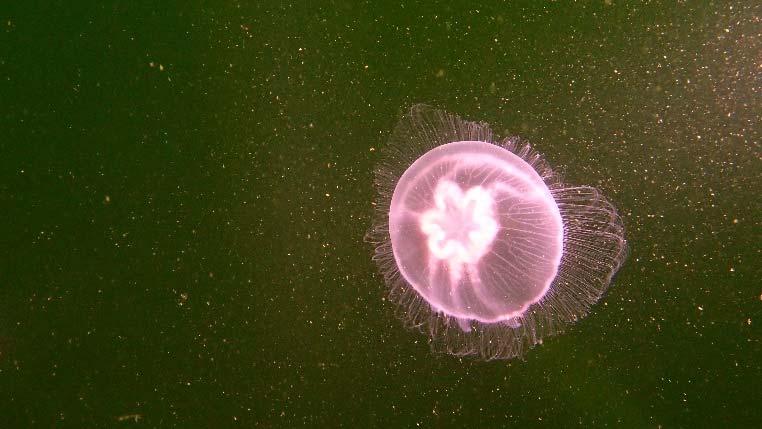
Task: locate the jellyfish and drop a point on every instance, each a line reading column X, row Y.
column 481, row 245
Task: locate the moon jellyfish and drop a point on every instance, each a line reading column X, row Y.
column 481, row 245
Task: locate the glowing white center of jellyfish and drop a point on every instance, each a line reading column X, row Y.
column 461, row 226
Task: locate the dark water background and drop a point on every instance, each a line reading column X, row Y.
column 185, row 187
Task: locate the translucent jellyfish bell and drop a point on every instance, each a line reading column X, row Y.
column 481, row 245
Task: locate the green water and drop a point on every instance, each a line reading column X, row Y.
column 185, row 188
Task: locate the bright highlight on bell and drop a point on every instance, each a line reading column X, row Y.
column 481, row 245
column 462, row 225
